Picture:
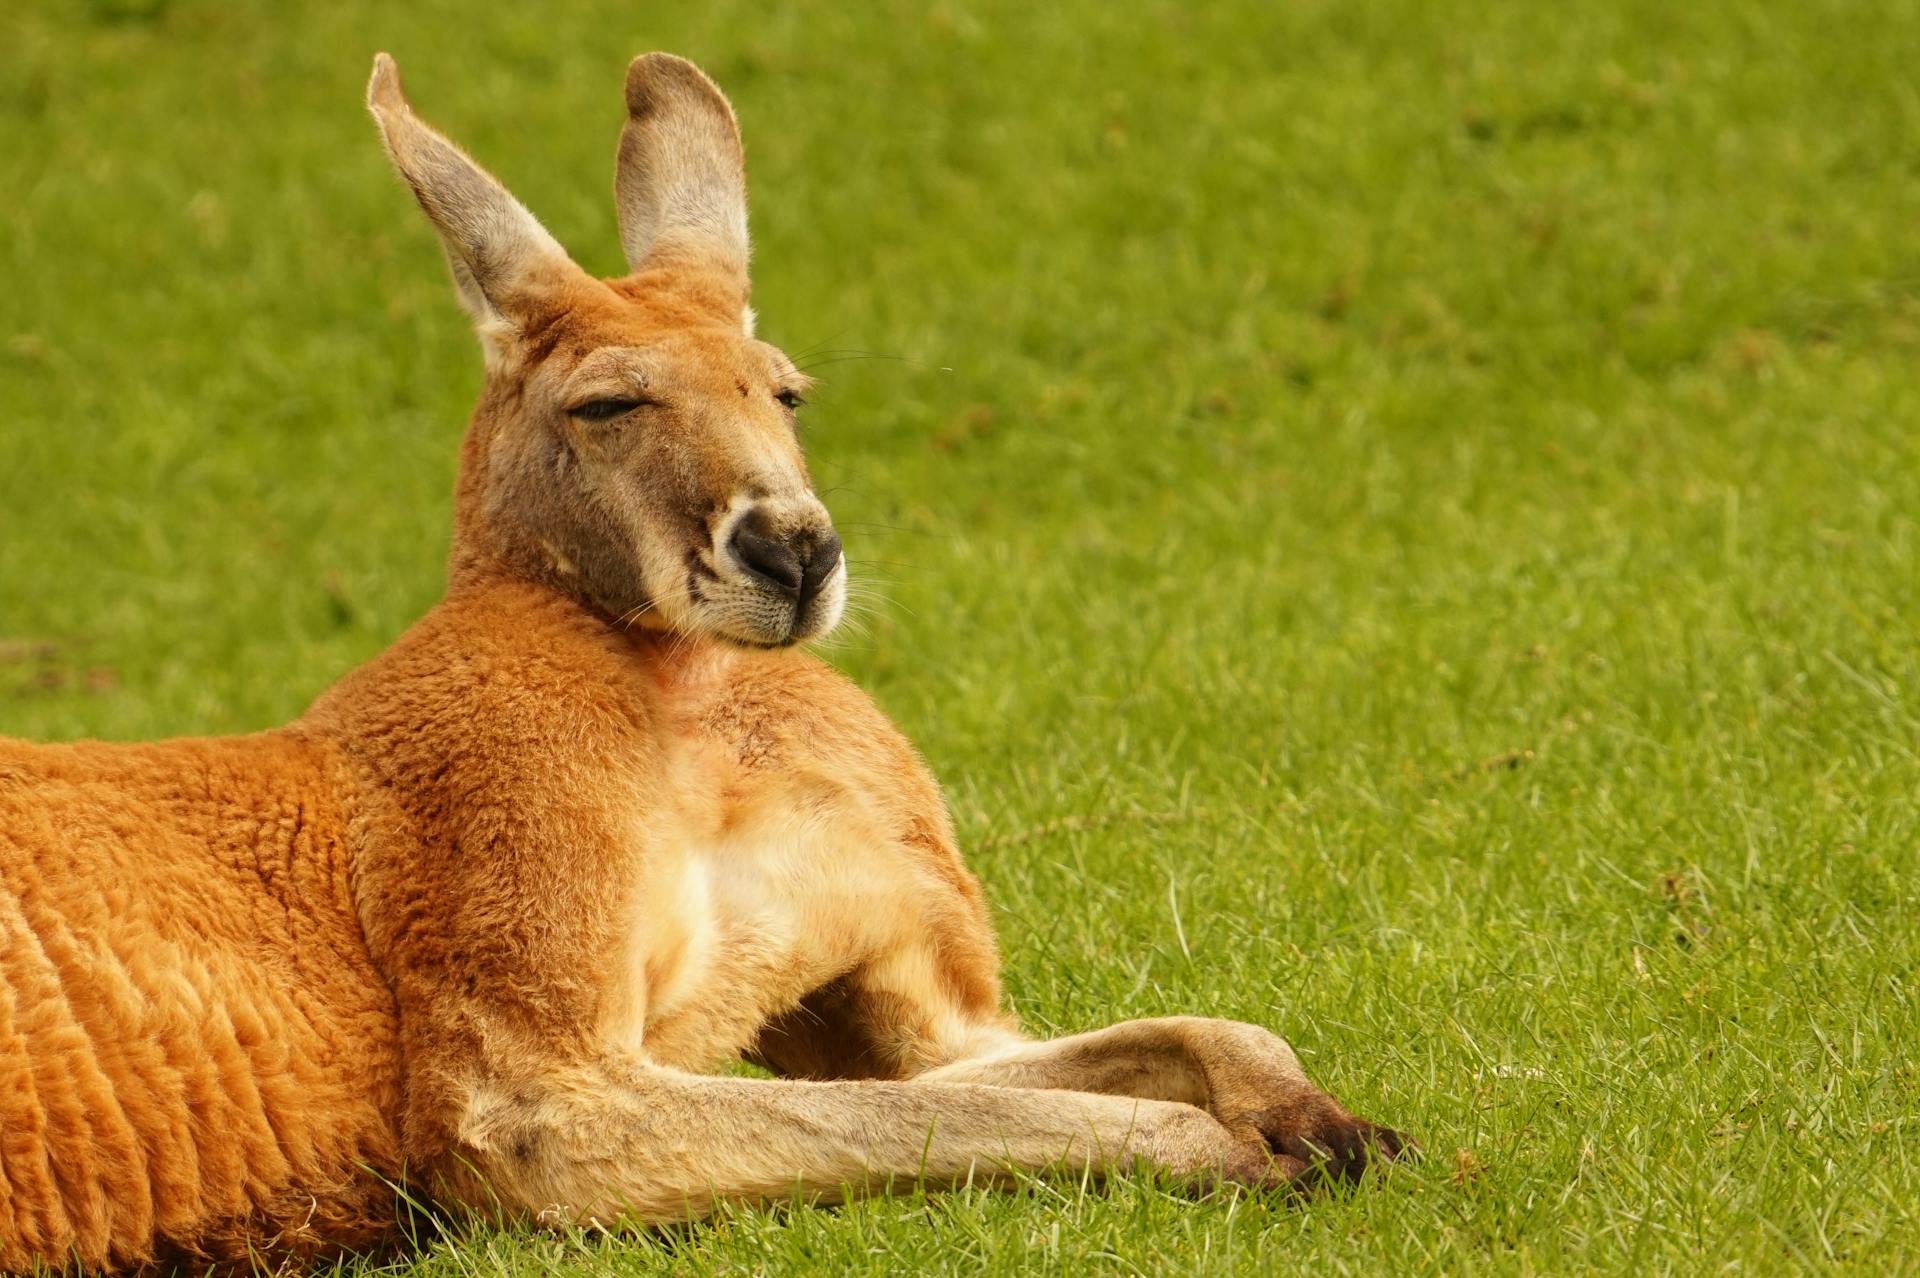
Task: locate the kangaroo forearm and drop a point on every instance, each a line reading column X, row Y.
column 667, row 1146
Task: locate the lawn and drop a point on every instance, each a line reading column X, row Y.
column 1398, row 521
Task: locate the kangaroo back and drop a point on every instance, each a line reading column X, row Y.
column 194, row 1049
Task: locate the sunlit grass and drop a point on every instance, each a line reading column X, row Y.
column 1397, row 521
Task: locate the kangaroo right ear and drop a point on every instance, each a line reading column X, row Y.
column 497, row 250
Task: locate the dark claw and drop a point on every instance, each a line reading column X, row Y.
column 1329, row 1145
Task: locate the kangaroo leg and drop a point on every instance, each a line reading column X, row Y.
column 1245, row 1076
column 633, row 1141
column 900, row 1017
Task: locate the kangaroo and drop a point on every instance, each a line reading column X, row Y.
column 483, row 922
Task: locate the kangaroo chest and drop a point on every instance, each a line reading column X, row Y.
column 745, row 902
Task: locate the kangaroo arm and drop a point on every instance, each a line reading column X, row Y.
column 654, row 1145
column 1246, row 1077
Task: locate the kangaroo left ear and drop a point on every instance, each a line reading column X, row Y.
column 499, row 253
column 680, row 184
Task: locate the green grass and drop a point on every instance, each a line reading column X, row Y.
column 1397, row 521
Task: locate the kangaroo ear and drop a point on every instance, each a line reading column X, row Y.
column 680, row 184
column 497, row 250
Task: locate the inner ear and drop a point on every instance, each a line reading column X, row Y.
column 679, row 185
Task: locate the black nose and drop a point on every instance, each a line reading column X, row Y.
column 794, row 564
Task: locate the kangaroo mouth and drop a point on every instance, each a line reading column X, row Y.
column 744, row 609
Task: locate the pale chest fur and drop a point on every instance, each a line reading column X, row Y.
column 752, row 890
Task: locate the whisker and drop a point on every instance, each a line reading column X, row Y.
column 845, row 359
column 853, row 628
column 814, row 348
column 626, row 619
column 678, row 644
column 858, row 524
column 822, row 351
column 868, row 596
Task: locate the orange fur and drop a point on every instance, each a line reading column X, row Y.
column 482, row 918
column 195, row 1050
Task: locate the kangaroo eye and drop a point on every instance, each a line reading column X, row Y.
column 604, row 410
column 790, row 398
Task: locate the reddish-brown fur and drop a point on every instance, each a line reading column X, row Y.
column 486, row 915
column 194, row 1043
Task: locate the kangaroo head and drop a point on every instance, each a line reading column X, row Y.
column 634, row 444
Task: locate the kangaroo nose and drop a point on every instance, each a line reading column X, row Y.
column 795, row 564
column 821, row 561
column 767, row 557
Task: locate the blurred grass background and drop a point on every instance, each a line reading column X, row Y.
column 1393, row 520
